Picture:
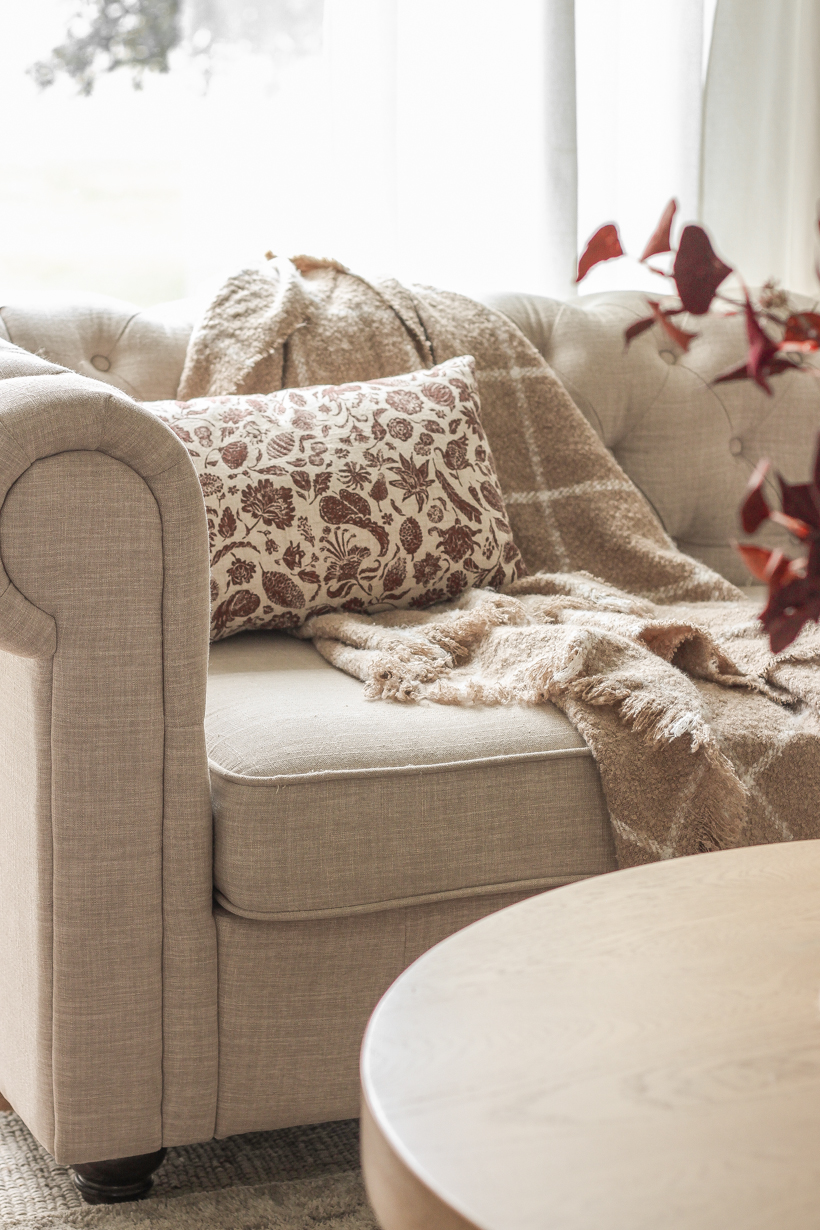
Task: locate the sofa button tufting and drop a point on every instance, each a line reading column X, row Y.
column 101, row 363
column 735, row 446
column 668, row 356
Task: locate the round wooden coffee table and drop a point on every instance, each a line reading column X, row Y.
column 639, row 1051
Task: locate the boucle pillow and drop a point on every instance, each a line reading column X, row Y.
column 360, row 497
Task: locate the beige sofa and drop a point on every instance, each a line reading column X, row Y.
column 209, row 874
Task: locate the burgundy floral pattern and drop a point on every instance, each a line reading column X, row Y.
column 363, row 497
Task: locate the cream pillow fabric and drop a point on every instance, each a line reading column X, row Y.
column 360, row 497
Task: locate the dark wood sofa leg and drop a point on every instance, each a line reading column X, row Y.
column 4, row 1105
column 122, row 1178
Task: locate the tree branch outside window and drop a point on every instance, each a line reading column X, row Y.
column 139, row 35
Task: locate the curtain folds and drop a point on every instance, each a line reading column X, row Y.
column 639, row 67
column 453, row 153
column 761, row 139
column 477, row 145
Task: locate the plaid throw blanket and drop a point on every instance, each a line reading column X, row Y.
column 702, row 739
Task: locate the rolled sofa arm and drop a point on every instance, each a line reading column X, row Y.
column 108, row 1044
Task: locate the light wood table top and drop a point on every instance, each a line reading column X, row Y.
column 640, row 1051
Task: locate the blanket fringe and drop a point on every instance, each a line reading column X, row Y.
column 658, row 720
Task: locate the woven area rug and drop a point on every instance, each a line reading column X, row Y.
column 295, row 1179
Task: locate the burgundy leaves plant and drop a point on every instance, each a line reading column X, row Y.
column 794, row 584
column 698, row 273
column 605, row 245
column 660, row 240
column 774, row 345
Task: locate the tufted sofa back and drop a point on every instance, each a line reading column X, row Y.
column 688, row 445
column 139, row 350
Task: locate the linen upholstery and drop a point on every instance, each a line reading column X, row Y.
column 25, row 889
column 106, row 688
column 689, row 445
column 277, row 978
column 138, row 350
column 294, row 999
column 327, row 804
column 103, row 543
column 689, row 448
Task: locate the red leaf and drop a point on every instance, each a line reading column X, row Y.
column 661, row 239
column 639, row 327
column 792, row 524
column 802, row 333
column 604, row 245
column 771, row 566
column 741, row 372
column 788, row 609
column 762, row 350
column 697, row 270
column 781, row 571
column 786, row 365
column 783, row 629
column 756, row 559
column 680, row 336
column 800, row 500
column 754, row 510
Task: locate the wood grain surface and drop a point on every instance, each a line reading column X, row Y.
column 640, row 1051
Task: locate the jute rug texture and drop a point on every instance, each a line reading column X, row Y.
column 295, row 1179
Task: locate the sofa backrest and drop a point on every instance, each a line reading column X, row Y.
column 689, row 445
column 139, row 350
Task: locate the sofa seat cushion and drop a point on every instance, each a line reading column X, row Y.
column 327, row 804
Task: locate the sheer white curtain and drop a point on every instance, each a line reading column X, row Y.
column 478, row 143
column 471, row 143
column 453, row 139
column 761, row 139
column 468, row 150
column 639, row 82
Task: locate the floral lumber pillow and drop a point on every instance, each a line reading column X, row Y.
column 360, row 497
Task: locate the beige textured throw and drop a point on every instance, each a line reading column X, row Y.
column 703, row 740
